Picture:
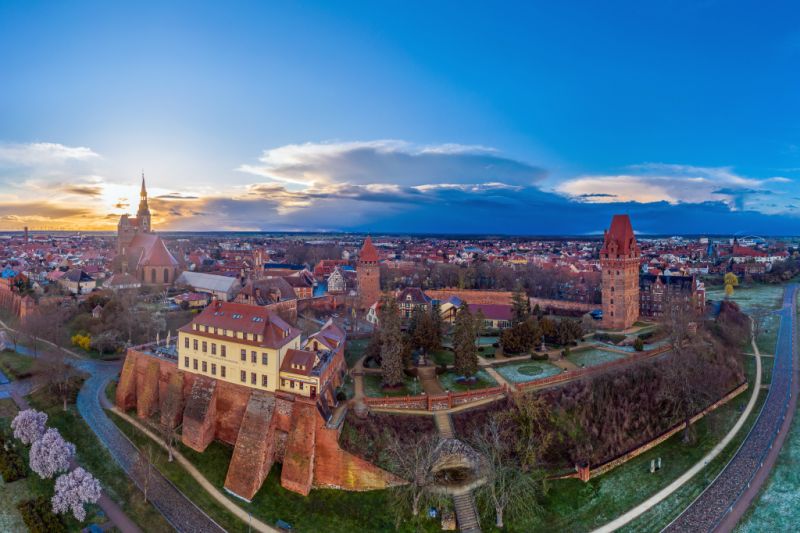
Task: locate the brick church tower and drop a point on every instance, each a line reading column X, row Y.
column 369, row 275
column 619, row 259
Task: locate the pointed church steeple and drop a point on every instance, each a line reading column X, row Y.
column 143, row 214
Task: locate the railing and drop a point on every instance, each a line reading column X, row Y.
column 574, row 374
column 436, row 402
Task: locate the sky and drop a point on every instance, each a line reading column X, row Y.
column 426, row 117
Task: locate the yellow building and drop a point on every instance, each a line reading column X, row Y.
column 237, row 343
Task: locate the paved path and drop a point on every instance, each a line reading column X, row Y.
column 697, row 467
column 177, row 509
column 255, row 523
column 726, row 499
column 464, row 503
column 429, row 381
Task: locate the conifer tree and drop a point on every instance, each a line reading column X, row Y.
column 464, row 334
column 520, row 306
column 393, row 343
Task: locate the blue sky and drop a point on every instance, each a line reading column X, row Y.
column 535, row 117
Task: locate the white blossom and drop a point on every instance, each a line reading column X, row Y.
column 29, row 425
column 51, row 454
column 73, row 490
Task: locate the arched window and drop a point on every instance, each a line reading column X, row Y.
column 153, row 275
column 166, row 275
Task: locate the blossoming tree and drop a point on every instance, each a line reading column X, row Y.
column 29, row 425
column 73, row 490
column 51, row 454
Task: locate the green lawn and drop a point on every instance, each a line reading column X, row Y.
column 443, row 357
column 322, row 510
column 372, row 387
column 14, row 365
column 354, row 350
column 448, row 381
column 95, row 458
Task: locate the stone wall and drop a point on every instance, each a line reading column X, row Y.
column 472, row 296
column 264, row 427
column 546, row 304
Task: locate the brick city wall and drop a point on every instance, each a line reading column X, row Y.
column 472, row 296
column 263, row 427
column 546, row 304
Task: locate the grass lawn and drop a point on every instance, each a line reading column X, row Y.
column 443, row 357
column 14, row 365
column 574, row 506
column 372, row 387
column 354, row 350
column 322, row 510
column 8, row 409
column 448, row 381
column 95, row 458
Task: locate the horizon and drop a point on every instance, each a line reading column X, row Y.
column 355, row 119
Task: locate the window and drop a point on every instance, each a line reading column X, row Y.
column 253, row 378
column 205, row 346
column 301, row 385
column 222, row 350
column 213, row 348
column 263, row 380
column 186, row 362
column 253, row 357
column 153, row 276
column 283, row 383
column 205, row 367
column 195, row 344
column 213, row 369
column 166, row 275
column 264, row 359
column 222, row 370
column 244, row 354
column 243, row 376
column 186, row 342
column 291, row 384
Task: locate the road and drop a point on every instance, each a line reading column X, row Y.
column 724, row 501
column 177, row 509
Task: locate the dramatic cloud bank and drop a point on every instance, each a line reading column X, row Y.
column 396, row 186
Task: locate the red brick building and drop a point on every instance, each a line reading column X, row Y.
column 619, row 260
column 369, row 275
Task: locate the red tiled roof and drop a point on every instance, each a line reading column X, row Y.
column 247, row 319
column 368, row 252
column 620, row 232
column 300, row 358
column 492, row 311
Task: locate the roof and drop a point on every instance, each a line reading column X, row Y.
column 150, row 250
column 121, row 279
column 416, row 294
column 209, row 282
column 78, row 276
column 621, row 235
column 298, row 362
column 247, row 319
column 492, row 311
column 368, row 252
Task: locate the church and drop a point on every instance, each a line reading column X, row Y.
column 141, row 252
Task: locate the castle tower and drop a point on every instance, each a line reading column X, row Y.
column 619, row 260
column 368, row 273
column 143, row 214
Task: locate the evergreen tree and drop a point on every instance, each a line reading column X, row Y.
column 520, row 306
column 464, row 334
column 393, row 343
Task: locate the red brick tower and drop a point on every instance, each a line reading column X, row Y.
column 369, row 275
column 619, row 259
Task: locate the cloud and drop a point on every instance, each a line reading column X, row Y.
column 674, row 184
column 42, row 153
column 83, row 190
column 389, row 161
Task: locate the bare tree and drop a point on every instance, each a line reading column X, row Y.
column 144, row 466
column 55, row 372
column 759, row 314
column 508, row 488
column 413, row 462
column 170, row 411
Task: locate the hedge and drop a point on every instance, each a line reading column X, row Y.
column 12, row 467
column 39, row 518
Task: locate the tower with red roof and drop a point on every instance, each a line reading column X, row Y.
column 619, row 260
column 368, row 273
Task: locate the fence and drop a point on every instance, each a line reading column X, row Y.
column 437, row 402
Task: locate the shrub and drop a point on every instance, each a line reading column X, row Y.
column 539, row 356
column 638, row 344
column 82, row 341
column 12, row 467
column 39, row 518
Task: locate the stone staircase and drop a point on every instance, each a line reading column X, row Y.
column 466, row 513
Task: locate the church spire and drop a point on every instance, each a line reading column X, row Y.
column 143, row 214
column 143, row 194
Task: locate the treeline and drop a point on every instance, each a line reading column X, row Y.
column 598, row 419
column 557, row 284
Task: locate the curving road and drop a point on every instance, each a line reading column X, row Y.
column 181, row 513
column 720, row 505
